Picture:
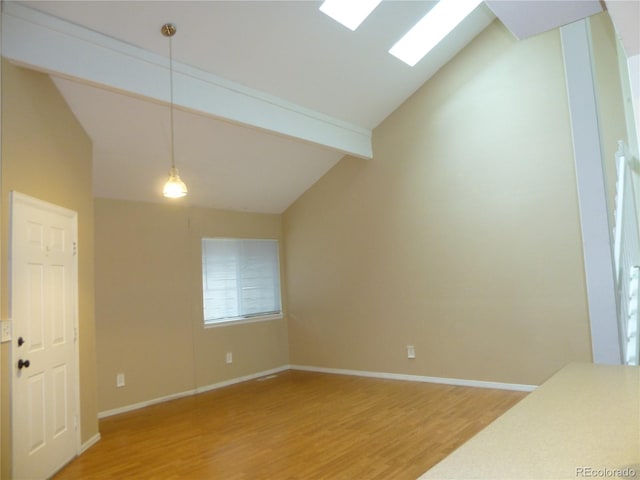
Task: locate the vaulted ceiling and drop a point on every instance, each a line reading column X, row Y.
column 269, row 95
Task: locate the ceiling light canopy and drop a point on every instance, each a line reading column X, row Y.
column 350, row 13
column 175, row 187
column 431, row 29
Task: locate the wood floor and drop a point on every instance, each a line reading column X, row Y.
column 298, row 425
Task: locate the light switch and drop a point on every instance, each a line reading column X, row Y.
column 6, row 331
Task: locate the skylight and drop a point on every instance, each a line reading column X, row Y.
column 350, row 13
column 431, row 29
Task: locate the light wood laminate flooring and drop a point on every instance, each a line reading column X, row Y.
column 296, row 425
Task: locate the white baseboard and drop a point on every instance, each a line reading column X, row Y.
column 187, row 393
column 246, row 378
column 89, row 443
column 419, row 378
column 146, row 403
column 338, row 371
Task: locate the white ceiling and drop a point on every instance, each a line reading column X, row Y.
column 284, row 49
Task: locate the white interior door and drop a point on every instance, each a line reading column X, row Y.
column 43, row 349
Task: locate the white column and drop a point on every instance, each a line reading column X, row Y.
column 592, row 198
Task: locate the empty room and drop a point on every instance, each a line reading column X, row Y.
column 280, row 240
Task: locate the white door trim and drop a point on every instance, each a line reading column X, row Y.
column 20, row 198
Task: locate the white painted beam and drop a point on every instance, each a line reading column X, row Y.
column 45, row 43
column 526, row 18
column 592, row 198
column 625, row 16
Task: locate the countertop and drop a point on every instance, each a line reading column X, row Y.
column 584, row 422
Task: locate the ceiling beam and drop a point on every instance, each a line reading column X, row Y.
column 625, row 16
column 526, row 18
column 45, row 43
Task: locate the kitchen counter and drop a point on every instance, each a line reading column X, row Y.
column 584, row 422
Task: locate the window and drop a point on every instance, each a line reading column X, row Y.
column 240, row 279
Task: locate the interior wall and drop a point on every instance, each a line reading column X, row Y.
column 460, row 237
column 46, row 154
column 609, row 98
column 149, row 303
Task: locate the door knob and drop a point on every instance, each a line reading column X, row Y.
column 20, row 341
column 23, row 364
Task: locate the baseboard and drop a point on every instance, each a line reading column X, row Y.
column 246, row 378
column 187, row 393
column 147, row 403
column 338, row 371
column 89, row 443
column 419, row 378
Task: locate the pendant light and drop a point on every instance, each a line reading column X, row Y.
column 174, row 188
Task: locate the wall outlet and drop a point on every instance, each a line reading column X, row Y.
column 229, row 357
column 6, row 331
column 120, row 380
column 411, row 351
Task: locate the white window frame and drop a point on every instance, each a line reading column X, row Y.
column 242, row 317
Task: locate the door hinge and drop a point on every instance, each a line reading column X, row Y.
column 75, row 334
column 75, row 248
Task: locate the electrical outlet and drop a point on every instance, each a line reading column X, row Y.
column 6, row 331
column 411, row 351
column 120, row 380
column 229, row 357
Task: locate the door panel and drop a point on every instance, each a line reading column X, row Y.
column 58, row 313
column 59, row 399
column 35, row 405
column 34, row 308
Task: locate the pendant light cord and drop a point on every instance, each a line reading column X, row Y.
column 173, row 161
column 174, row 187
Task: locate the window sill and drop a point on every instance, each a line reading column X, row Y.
column 226, row 323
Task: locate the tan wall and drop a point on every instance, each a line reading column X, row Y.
column 461, row 237
column 46, row 154
column 149, row 303
column 611, row 113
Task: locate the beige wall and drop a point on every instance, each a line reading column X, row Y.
column 461, row 237
column 610, row 102
column 149, row 303
column 46, row 154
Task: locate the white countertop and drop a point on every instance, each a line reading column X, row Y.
column 584, row 422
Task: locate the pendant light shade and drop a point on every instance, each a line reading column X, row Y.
column 175, row 187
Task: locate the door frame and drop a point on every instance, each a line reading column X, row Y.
column 20, row 198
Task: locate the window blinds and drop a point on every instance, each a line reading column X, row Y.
column 240, row 278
